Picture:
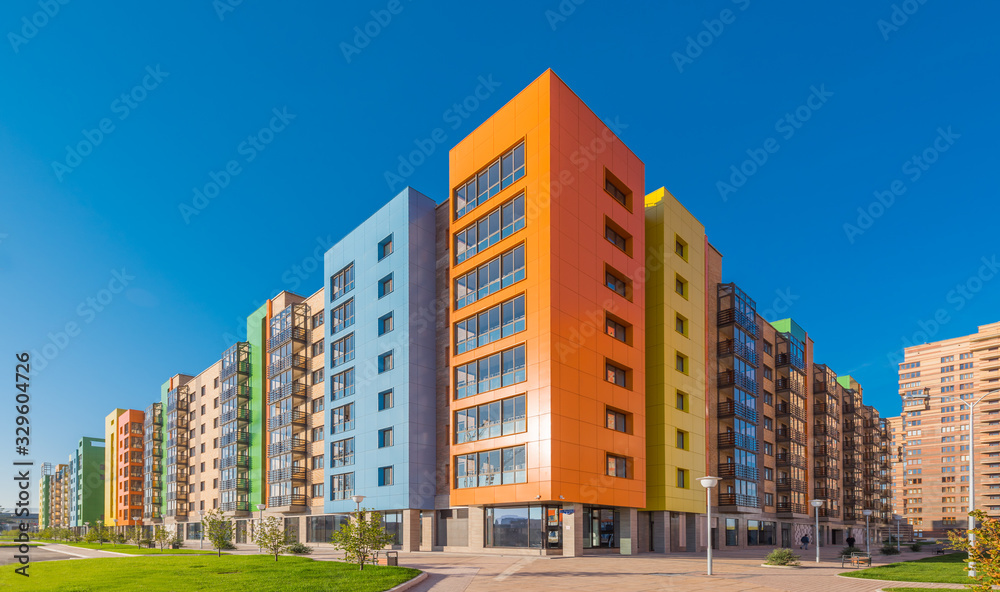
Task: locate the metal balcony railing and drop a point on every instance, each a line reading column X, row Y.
column 238, row 460
column 287, row 474
column 784, row 359
column 791, row 507
column 732, row 315
column 730, row 347
column 734, row 408
column 789, row 484
column 295, row 361
column 828, row 472
column 732, row 439
column 238, row 483
column 786, row 409
column 784, row 384
column 785, row 434
column 287, row 418
column 240, row 367
column 730, row 378
column 290, row 334
column 243, row 506
column 242, row 414
column 241, row 391
column 296, row 389
column 237, row 437
column 290, row 445
column 738, row 499
column 286, row 500
column 737, row 471
column 791, row 460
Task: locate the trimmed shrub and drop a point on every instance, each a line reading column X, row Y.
column 846, row 551
column 915, row 547
column 299, row 549
column 889, row 550
column 782, row 557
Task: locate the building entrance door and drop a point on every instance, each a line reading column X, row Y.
column 786, row 536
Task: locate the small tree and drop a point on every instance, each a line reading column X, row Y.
column 162, row 537
column 271, row 535
column 361, row 537
column 92, row 535
column 985, row 553
column 218, row 529
column 134, row 535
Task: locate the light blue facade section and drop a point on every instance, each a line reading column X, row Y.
column 409, row 220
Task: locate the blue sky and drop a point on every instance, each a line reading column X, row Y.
column 164, row 96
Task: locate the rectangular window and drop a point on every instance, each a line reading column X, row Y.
column 732, row 532
column 343, row 317
column 341, row 486
column 681, row 286
column 318, row 348
column 342, row 384
column 385, row 400
column 499, row 174
column 494, row 275
column 385, row 286
column 317, row 490
column 615, row 329
column 616, row 420
column 683, row 480
column 492, row 372
column 616, row 375
column 682, row 440
column 385, row 324
column 385, row 247
column 384, row 476
column 680, row 248
column 617, row 236
column 616, row 189
column 317, row 319
column 342, row 418
column 342, row 282
column 342, row 351
column 342, row 453
column 617, row 466
column 317, row 376
column 317, row 434
column 680, row 324
column 490, row 229
column 317, row 404
column 502, row 320
column 318, row 461
column 616, row 283
column 681, row 363
column 385, row 362
column 491, row 420
column 493, row 467
column 385, row 438
column 682, row 401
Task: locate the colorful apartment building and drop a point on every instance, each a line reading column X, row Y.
column 84, row 501
column 942, row 384
column 543, row 363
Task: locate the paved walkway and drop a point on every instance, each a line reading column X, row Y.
column 735, row 571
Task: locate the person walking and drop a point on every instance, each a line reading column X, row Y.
column 850, row 541
column 805, row 542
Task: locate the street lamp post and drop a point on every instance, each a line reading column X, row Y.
column 816, row 504
column 260, row 508
column 201, row 529
column 868, row 548
column 972, row 479
column 708, row 483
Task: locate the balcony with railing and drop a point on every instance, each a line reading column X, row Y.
column 826, row 493
column 241, row 414
column 277, row 501
column 237, row 367
column 829, row 513
column 241, row 506
column 786, row 409
column 238, row 483
column 732, row 439
column 827, row 472
column 287, row 474
column 288, row 418
column 294, row 361
column 177, row 495
column 177, row 439
column 791, row 508
column 790, row 484
column 279, row 338
column 295, row 445
column 787, row 459
column 733, row 315
column 737, row 409
column 784, row 384
column 236, row 460
column 731, row 347
column 241, row 391
column 175, row 512
column 825, row 451
column 738, row 471
column 823, row 429
column 739, row 499
column 295, row 389
column 236, row 437
column 729, row 378
column 786, row 434
column 826, row 409
column 795, row 361
column 177, row 399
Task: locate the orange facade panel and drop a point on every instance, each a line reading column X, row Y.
column 128, row 469
column 569, row 155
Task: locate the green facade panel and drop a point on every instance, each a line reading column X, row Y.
column 258, row 356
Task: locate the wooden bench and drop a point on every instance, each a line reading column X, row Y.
column 856, row 560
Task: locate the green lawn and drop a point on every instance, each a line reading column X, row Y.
column 204, row 574
column 133, row 550
column 946, row 569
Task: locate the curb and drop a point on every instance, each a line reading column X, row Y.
column 409, row 583
column 782, row 566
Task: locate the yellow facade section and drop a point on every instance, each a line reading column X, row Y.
column 675, row 326
column 111, row 464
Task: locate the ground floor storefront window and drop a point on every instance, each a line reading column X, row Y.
column 320, row 529
column 732, row 532
column 600, row 527
column 392, row 522
column 760, row 533
column 193, row 531
column 524, row 526
column 292, row 530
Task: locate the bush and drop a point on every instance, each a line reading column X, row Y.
column 782, row 557
column 915, row 547
column 889, row 550
column 146, row 543
column 846, row 551
column 299, row 549
column 227, row 546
